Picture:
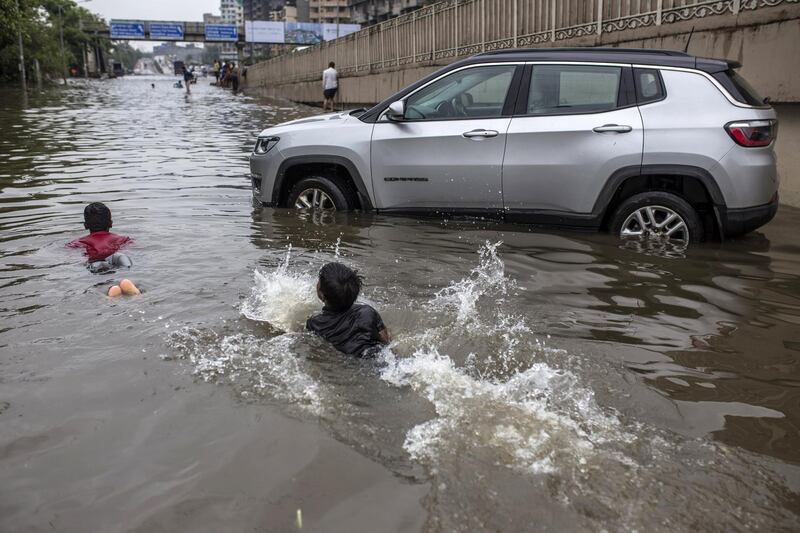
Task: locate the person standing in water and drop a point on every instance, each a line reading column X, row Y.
column 187, row 78
column 330, row 85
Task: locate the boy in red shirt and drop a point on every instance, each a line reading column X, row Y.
column 101, row 246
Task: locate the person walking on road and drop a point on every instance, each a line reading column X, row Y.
column 216, row 71
column 187, row 78
column 330, row 84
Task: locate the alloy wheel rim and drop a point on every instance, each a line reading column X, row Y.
column 656, row 222
column 314, row 199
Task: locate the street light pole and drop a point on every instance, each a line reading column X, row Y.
column 83, row 46
column 61, row 35
column 21, row 53
column 84, row 54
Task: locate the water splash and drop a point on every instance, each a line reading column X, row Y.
column 336, row 251
column 533, row 420
column 283, row 297
column 505, row 398
column 253, row 365
column 488, row 278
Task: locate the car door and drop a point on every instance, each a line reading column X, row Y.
column 577, row 126
column 447, row 152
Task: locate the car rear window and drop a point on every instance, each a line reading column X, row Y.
column 570, row 89
column 649, row 87
column 739, row 88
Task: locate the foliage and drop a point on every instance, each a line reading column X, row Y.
column 211, row 53
column 41, row 23
column 126, row 54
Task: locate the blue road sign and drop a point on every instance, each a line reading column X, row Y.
column 127, row 29
column 166, row 31
column 221, row 32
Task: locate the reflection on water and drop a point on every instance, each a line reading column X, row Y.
column 564, row 380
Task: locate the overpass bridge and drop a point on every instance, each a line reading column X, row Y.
column 163, row 30
column 764, row 35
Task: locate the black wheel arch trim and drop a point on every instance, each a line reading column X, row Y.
column 619, row 177
column 358, row 181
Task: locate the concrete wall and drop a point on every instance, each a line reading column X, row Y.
column 767, row 44
column 788, row 150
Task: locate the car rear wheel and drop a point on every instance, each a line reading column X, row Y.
column 657, row 216
column 318, row 192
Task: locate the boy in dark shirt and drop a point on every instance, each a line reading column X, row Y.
column 101, row 247
column 355, row 329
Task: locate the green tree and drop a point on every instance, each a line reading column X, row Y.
column 126, row 54
column 42, row 23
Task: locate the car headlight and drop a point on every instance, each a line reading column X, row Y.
column 265, row 144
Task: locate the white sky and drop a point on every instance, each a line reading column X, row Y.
column 191, row 10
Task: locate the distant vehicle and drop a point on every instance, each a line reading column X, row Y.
column 178, row 67
column 640, row 143
column 117, row 69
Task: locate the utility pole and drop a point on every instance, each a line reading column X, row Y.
column 21, row 53
column 83, row 46
column 84, row 53
column 61, row 35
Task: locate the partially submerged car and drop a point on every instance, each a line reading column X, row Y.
column 642, row 143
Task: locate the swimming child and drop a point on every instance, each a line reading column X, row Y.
column 101, row 247
column 355, row 329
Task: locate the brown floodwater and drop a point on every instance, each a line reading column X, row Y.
column 539, row 381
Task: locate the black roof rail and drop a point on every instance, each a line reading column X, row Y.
column 587, row 49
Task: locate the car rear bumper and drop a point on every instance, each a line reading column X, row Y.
column 744, row 220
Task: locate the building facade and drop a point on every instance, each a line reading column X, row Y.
column 232, row 12
column 368, row 12
column 210, row 18
column 329, row 11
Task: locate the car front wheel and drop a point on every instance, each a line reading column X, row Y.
column 318, row 192
column 657, row 215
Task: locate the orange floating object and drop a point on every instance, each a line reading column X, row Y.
column 128, row 288
column 114, row 291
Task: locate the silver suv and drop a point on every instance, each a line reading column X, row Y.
column 643, row 143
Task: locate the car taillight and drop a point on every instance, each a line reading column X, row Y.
column 753, row 133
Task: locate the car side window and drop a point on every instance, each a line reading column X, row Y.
column 573, row 89
column 477, row 92
column 648, row 85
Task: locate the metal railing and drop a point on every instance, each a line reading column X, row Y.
column 439, row 32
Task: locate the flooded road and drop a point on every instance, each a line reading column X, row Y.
column 538, row 382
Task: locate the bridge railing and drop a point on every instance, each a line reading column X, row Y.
column 439, row 32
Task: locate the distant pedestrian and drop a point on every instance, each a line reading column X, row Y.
column 216, row 70
column 187, row 78
column 234, row 78
column 224, row 75
column 330, row 84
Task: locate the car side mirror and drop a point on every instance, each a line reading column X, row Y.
column 396, row 111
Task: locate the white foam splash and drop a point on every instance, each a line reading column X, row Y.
column 336, row 250
column 531, row 414
column 488, row 276
column 253, row 365
column 282, row 297
column 531, row 420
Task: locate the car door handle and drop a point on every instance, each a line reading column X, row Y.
column 612, row 128
column 480, row 134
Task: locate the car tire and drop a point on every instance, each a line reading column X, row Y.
column 659, row 204
column 338, row 197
